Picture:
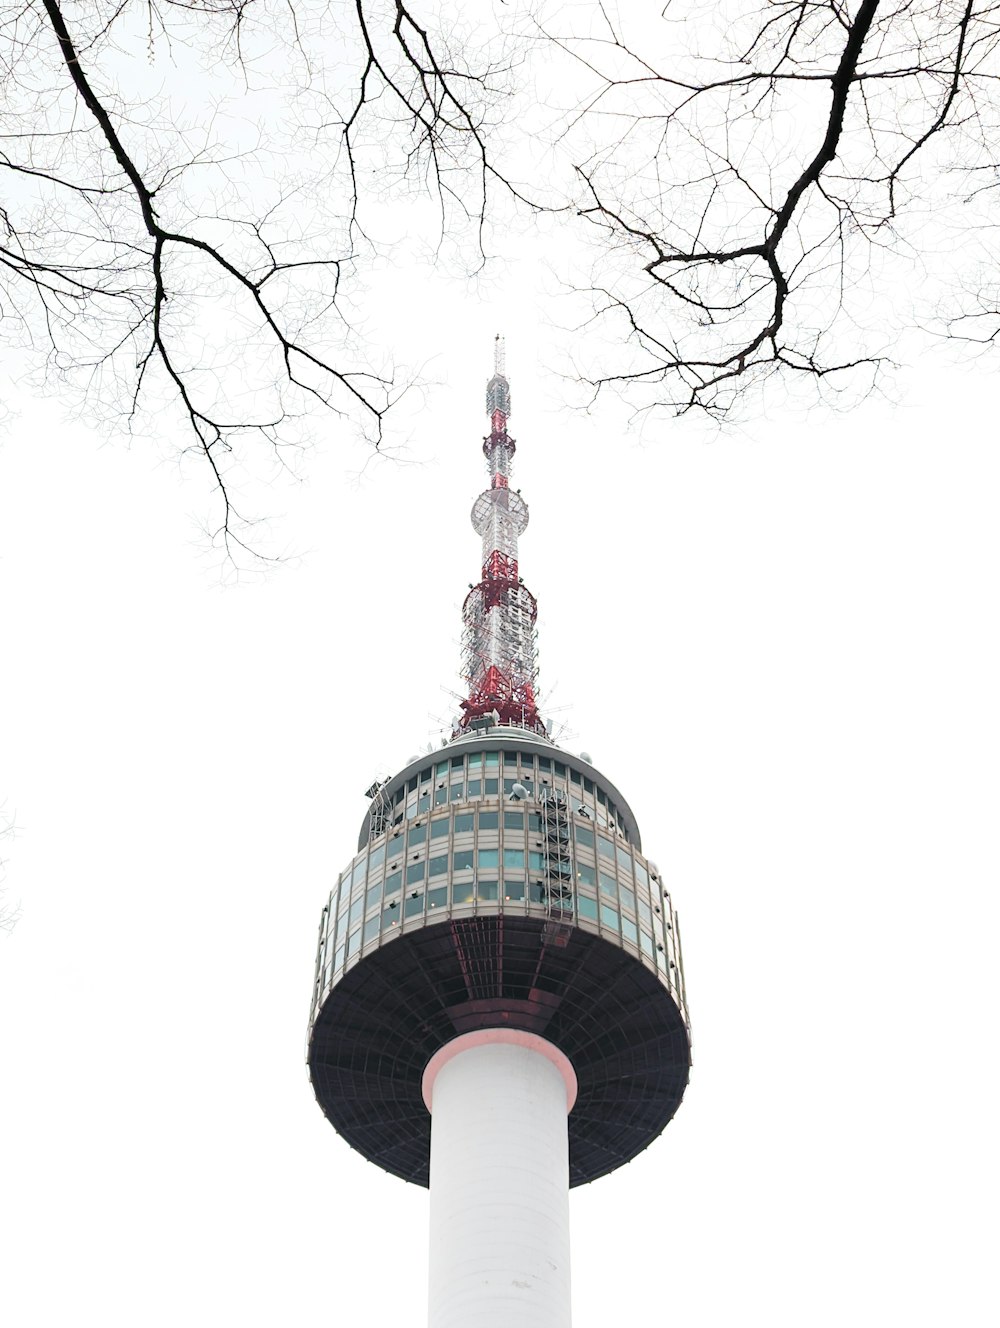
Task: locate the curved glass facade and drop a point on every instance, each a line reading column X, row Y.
column 509, row 832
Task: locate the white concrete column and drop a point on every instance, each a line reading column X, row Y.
column 499, row 1191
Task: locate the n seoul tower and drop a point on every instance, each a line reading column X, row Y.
column 499, row 1009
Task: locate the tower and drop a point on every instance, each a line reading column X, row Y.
column 499, row 1008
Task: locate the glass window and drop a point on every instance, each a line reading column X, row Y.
column 440, row 795
column 418, row 833
column 463, row 893
column 475, row 761
column 628, row 898
column 513, row 820
column 536, row 862
column 377, row 857
column 574, row 776
column 357, row 909
column 358, row 873
column 544, row 763
column 439, row 866
column 508, row 785
column 510, row 758
column 492, row 758
column 457, row 762
column 437, row 898
column 425, row 774
column 584, row 836
column 456, row 792
column 536, row 893
column 491, row 786
column 625, row 861
column 513, row 889
column 393, row 882
column 489, row 820
column 373, row 896
column 646, row 941
column 353, row 941
column 630, row 931
column 605, row 847
column 462, row 859
column 463, row 821
column 601, row 798
column 645, row 915
column 609, row 916
column 488, row 859
column 487, row 889
column 585, row 875
column 475, row 788
column 414, row 904
column 338, row 958
column 390, row 915
column 513, row 859
column 609, row 886
column 439, row 827
column 442, row 768
column 588, row 785
column 415, row 872
column 371, row 929
column 560, row 769
column 587, row 907
column 535, row 822
column 423, row 802
column 641, row 873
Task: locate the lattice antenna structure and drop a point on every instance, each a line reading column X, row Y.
column 499, row 640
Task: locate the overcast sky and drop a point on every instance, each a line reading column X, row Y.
column 780, row 643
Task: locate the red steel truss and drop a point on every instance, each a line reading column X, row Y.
column 499, row 637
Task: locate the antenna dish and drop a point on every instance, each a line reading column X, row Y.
column 586, row 756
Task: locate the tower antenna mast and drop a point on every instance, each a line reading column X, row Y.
column 499, row 640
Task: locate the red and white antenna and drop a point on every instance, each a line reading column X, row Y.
column 499, row 614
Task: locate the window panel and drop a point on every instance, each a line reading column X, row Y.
column 462, row 859
column 587, row 907
column 439, row 827
column 488, row 859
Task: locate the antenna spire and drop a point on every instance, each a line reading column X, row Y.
column 499, row 614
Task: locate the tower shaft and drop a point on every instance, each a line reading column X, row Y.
column 499, row 1182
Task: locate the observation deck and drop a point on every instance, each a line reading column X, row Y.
column 499, row 883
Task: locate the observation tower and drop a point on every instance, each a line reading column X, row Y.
column 499, row 1009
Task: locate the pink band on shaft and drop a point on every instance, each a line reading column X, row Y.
column 513, row 1037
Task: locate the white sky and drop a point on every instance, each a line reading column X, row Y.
column 780, row 645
